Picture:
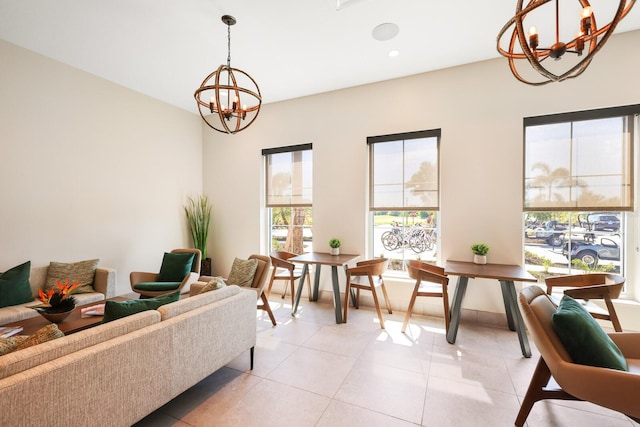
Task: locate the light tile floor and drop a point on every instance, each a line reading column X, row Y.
column 309, row 371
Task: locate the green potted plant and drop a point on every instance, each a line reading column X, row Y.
column 334, row 244
column 198, row 211
column 479, row 253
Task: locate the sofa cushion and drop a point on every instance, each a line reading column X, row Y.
column 115, row 310
column 175, row 267
column 585, row 341
column 42, row 335
column 213, row 284
column 82, row 272
column 242, row 272
column 14, row 285
column 193, row 302
column 7, row 345
column 19, row 361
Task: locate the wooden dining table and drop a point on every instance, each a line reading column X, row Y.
column 506, row 274
column 319, row 259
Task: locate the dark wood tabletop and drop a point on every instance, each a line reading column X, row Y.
column 488, row 271
column 73, row 323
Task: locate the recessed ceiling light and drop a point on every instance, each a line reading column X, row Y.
column 394, row 53
column 386, row 31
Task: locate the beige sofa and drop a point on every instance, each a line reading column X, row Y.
column 117, row 373
column 104, row 284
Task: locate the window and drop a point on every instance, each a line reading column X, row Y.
column 404, row 196
column 289, row 179
column 578, row 186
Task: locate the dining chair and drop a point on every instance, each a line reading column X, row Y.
column 286, row 271
column 431, row 281
column 591, row 286
column 366, row 275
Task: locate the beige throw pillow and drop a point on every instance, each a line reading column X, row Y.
column 242, row 272
column 213, row 284
column 7, row 345
column 82, row 272
column 47, row 333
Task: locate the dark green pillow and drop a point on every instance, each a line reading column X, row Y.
column 14, row 285
column 115, row 310
column 585, row 341
column 175, row 267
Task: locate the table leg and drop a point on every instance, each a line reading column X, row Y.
column 507, row 306
column 458, row 295
column 316, row 283
column 336, row 293
column 510, row 289
column 305, row 269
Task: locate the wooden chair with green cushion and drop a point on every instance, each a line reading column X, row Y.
column 560, row 374
column 179, row 269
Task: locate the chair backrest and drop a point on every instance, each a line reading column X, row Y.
column 262, row 271
column 613, row 282
column 279, row 260
column 197, row 260
column 426, row 272
column 376, row 266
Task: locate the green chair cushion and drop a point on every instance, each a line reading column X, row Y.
column 157, row 286
column 14, row 285
column 115, row 310
column 585, row 341
column 175, row 267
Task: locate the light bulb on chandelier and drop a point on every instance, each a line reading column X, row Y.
column 218, row 88
column 589, row 36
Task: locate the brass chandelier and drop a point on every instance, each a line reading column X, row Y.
column 228, row 99
column 589, row 37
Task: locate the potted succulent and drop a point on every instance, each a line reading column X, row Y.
column 198, row 213
column 479, row 253
column 334, row 244
column 57, row 303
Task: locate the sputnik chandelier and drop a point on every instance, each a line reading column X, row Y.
column 224, row 100
column 589, row 37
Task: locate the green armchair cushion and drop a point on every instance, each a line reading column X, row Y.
column 585, row 341
column 175, row 267
column 14, row 285
column 157, row 286
column 115, row 310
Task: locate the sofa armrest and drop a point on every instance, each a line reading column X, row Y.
column 104, row 281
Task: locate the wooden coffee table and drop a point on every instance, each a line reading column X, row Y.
column 73, row 323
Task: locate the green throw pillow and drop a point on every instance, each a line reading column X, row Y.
column 242, row 272
column 585, row 341
column 14, row 285
column 82, row 272
column 175, row 267
column 115, row 310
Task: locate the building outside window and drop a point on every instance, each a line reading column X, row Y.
column 404, row 196
column 289, row 196
column 578, row 189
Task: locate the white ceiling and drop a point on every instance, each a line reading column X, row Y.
column 292, row 48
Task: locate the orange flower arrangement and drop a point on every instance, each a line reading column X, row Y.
column 58, row 299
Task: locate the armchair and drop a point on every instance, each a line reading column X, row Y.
column 611, row 388
column 171, row 275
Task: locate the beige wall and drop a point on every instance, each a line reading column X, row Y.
column 90, row 169
column 479, row 108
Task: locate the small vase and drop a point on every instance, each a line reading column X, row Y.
column 335, row 251
column 480, row 259
column 55, row 317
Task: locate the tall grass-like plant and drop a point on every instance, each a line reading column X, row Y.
column 198, row 212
